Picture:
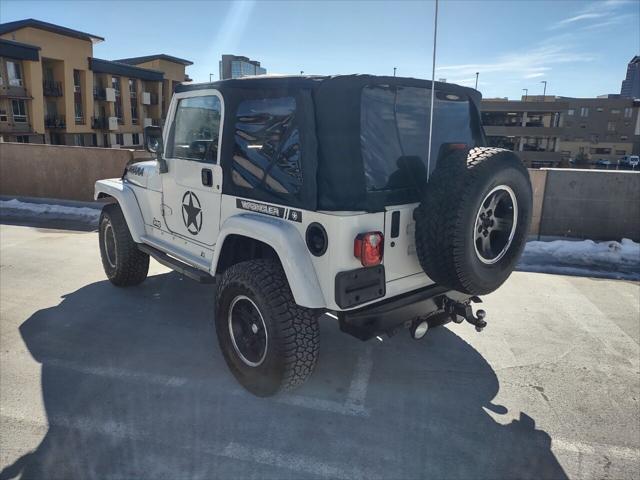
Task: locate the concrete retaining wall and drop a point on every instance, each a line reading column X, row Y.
column 54, row 171
column 596, row 204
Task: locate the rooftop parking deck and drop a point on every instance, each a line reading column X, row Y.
column 101, row 382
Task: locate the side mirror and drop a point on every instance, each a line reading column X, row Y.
column 153, row 144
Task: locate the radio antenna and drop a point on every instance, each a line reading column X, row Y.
column 433, row 87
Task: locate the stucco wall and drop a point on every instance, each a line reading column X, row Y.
column 58, row 171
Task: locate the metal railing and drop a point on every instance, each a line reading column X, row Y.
column 100, row 123
column 52, row 88
column 54, row 121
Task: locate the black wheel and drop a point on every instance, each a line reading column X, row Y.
column 123, row 263
column 472, row 224
column 268, row 342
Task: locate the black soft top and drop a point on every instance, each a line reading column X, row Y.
column 328, row 111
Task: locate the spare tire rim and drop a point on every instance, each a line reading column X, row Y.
column 248, row 331
column 110, row 248
column 495, row 225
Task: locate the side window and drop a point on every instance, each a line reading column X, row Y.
column 195, row 129
column 266, row 153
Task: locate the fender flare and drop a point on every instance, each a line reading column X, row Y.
column 114, row 187
column 288, row 245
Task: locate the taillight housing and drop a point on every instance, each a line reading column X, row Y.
column 369, row 248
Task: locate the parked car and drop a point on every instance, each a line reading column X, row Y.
column 301, row 196
column 629, row 161
column 602, row 163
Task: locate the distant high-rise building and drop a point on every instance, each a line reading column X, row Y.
column 234, row 66
column 631, row 85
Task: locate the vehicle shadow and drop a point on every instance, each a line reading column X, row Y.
column 134, row 386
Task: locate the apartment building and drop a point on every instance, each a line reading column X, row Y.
column 550, row 131
column 52, row 89
column 531, row 128
column 237, row 66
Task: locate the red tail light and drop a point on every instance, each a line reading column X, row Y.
column 368, row 248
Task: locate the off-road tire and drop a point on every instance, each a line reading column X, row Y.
column 130, row 266
column 446, row 218
column 293, row 332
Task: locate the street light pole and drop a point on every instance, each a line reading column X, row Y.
column 477, row 75
column 394, row 71
column 526, row 93
column 544, row 93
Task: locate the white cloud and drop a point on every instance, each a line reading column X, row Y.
column 534, row 75
column 594, row 10
column 583, row 16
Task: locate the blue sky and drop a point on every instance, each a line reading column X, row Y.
column 580, row 47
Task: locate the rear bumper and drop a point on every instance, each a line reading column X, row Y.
column 387, row 315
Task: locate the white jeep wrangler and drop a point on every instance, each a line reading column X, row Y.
column 301, row 196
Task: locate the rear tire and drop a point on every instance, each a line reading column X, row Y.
column 472, row 224
column 123, row 263
column 268, row 341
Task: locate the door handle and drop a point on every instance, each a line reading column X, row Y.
column 207, row 177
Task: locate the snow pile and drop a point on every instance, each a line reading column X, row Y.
column 595, row 259
column 14, row 208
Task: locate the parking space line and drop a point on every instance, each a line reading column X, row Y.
column 360, row 382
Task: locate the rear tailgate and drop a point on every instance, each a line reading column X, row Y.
column 400, row 257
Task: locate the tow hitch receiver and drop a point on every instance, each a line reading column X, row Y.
column 459, row 311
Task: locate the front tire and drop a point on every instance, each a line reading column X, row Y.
column 123, row 263
column 268, row 341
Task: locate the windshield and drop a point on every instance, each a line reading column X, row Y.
column 394, row 132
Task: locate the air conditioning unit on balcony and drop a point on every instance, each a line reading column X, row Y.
column 110, row 94
column 113, row 123
column 146, row 98
column 147, row 122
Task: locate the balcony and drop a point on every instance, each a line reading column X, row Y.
column 52, row 88
column 99, row 93
column 100, row 123
column 147, row 122
column 54, row 121
column 79, row 120
column 16, row 127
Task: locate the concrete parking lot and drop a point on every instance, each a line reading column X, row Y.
column 101, row 382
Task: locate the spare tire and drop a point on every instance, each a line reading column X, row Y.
column 472, row 223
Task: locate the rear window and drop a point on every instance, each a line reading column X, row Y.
column 267, row 146
column 394, row 132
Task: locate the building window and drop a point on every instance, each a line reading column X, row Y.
column 115, row 84
column 135, row 138
column 3, row 116
column 119, row 139
column 105, row 140
column 76, row 80
column 94, row 140
column 134, row 112
column 611, row 126
column 15, row 74
column 133, row 89
column 79, row 114
column 19, row 111
column 615, row 111
column 621, row 152
column 571, row 112
column 584, row 111
column 78, row 140
column 600, row 151
column 623, row 138
column 599, row 109
column 628, row 111
column 22, row 138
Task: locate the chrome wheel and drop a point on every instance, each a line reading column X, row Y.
column 495, row 225
column 248, row 331
column 110, row 248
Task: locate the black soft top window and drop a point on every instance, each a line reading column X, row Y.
column 267, row 153
column 394, row 133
